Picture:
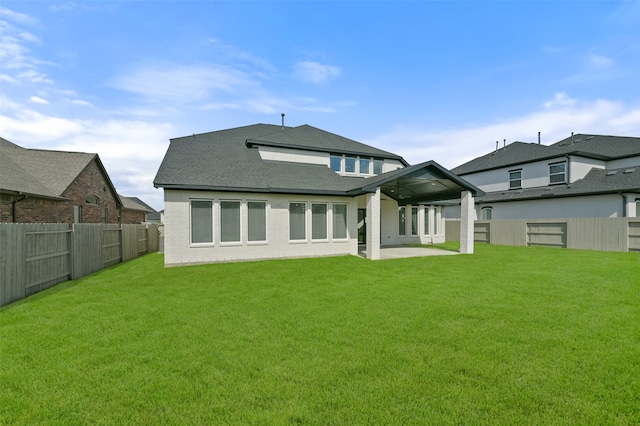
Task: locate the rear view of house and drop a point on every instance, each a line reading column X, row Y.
column 265, row 191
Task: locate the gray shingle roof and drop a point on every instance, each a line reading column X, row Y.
column 42, row 173
column 597, row 181
column 134, row 203
column 223, row 160
column 516, row 153
column 312, row 138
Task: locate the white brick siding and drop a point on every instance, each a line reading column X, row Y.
column 179, row 250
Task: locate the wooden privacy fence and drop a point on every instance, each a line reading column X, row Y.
column 606, row 234
column 38, row 256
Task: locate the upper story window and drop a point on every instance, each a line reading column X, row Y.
column 336, row 163
column 350, row 164
column 365, row 165
column 355, row 164
column 91, row 199
column 515, row 179
column 557, row 173
column 377, row 166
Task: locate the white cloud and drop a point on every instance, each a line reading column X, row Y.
column 80, row 102
column 315, row 73
column 17, row 17
column 183, row 84
column 452, row 147
column 560, row 99
column 600, row 61
column 38, row 100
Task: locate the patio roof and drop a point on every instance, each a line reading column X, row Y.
column 419, row 183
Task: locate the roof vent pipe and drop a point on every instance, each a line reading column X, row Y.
column 571, row 138
column 504, row 143
column 282, row 120
column 538, row 138
column 497, row 146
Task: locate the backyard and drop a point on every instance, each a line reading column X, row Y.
column 505, row 336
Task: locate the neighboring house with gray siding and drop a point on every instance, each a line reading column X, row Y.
column 266, row 191
column 581, row 176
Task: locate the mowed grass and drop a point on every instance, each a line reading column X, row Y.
column 506, row 336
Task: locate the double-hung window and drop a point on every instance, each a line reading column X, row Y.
column 402, row 221
column 297, row 222
column 339, row 221
column 318, row 221
column 229, row 221
column 557, row 173
column 436, row 220
column 257, row 221
column 515, row 179
column 201, row 221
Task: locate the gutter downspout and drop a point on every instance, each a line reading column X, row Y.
column 13, row 207
column 568, row 168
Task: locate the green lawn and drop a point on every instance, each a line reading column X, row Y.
column 506, row 336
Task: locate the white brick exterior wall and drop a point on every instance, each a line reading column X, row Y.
column 179, row 250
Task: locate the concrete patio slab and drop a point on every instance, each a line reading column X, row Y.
column 399, row 252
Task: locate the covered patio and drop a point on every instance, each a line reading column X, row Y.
column 417, row 185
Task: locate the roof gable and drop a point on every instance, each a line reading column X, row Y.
column 606, row 147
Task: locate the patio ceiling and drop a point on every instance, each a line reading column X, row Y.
column 421, row 183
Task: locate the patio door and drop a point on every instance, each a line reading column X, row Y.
column 362, row 226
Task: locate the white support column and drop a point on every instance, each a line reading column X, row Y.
column 373, row 225
column 467, row 216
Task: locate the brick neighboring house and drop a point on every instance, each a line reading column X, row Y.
column 134, row 210
column 42, row 186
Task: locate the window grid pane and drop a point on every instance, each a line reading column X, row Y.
column 515, row 179
column 229, row 221
column 257, row 220
column 339, row 221
column 297, row 226
column 318, row 221
column 557, row 173
column 436, row 220
column 201, row 222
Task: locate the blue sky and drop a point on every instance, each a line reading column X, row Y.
column 428, row 80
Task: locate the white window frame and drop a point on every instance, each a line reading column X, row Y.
column 333, row 222
column 220, row 230
column 379, row 161
column 266, row 223
column 437, row 215
column 369, row 167
column 355, row 165
column 326, row 221
column 513, row 180
column 563, row 174
column 341, row 158
column 213, row 221
column 486, row 211
column 306, row 222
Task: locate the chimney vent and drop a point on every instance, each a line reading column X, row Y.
column 282, row 120
column 538, row 138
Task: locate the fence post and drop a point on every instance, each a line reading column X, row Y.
column 72, row 252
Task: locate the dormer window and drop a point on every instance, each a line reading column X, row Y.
column 515, row 179
column 91, row 199
column 356, row 165
column 557, row 173
column 377, row 166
